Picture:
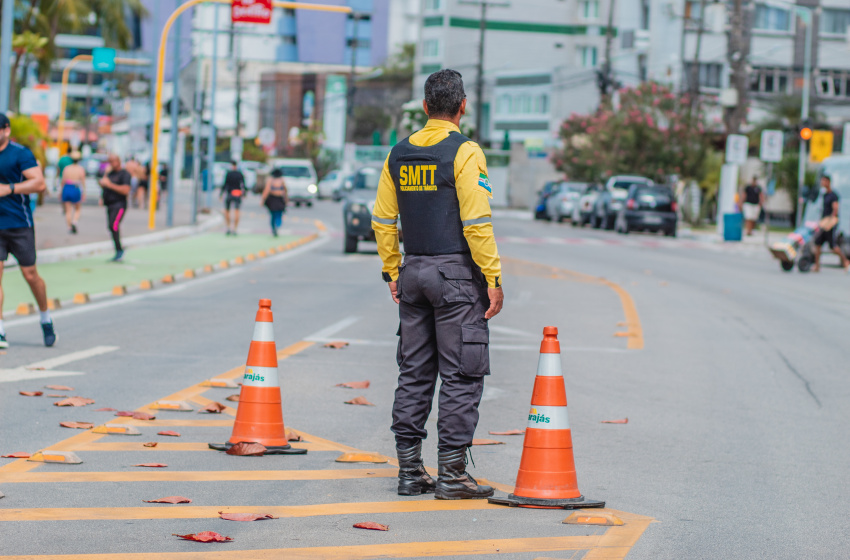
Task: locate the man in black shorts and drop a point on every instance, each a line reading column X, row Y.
column 116, row 188
column 233, row 192
column 20, row 176
column 828, row 224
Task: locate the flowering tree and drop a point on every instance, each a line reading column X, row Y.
column 653, row 133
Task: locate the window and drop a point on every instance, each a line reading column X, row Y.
column 643, row 70
column 644, row 14
column 772, row 18
column 834, row 22
column 588, row 9
column 587, row 57
column 503, row 104
column 541, row 104
column 833, row 83
column 770, row 80
column 710, row 74
column 431, row 48
column 432, row 5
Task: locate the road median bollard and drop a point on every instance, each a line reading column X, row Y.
column 81, row 298
column 119, row 291
column 146, row 285
column 24, row 309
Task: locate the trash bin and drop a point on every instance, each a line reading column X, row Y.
column 733, row 227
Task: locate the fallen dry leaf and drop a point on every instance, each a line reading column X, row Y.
column 106, row 409
column 136, row 415
column 74, row 401
column 292, row 436
column 233, row 398
column 359, row 400
column 36, row 368
column 30, row 393
column 213, row 408
column 57, row 396
column 354, row 385
column 17, row 455
column 124, row 413
column 372, row 525
column 149, row 444
column 336, row 344
column 487, row 442
column 508, row 433
column 204, row 536
column 168, row 433
column 59, row 387
column 246, row 449
column 155, row 465
column 170, row 500
column 78, row 425
column 620, row 421
column 245, row 516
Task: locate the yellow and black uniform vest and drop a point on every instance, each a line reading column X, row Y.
column 424, row 179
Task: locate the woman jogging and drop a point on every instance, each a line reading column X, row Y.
column 73, row 191
column 275, row 198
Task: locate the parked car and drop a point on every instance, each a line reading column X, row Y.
column 330, row 183
column 357, row 210
column 563, row 200
column 250, row 170
column 300, row 178
column 342, row 190
column 542, row 196
column 612, row 199
column 583, row 210
column 648, row 208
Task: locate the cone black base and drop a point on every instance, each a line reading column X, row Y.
column 572, row 503
column 279, row 450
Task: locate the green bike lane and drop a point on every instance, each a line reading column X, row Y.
column 96, row 274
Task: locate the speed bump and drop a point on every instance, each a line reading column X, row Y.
column 224, row 383
column 361, row 458
column 171, row 405
column 116, row 430
column 50, row 456
column 596, row 518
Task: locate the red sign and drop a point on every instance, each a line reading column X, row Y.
column 251, row 11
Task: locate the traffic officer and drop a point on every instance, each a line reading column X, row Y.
column 447, row 289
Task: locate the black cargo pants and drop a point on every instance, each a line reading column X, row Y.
column 442, row 330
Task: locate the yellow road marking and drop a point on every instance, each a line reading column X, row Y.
column 19, row 465
column 203, row 401
column 199, row 512
column 181, row 446
column 518, row 267
column 212, row 423
column 164, row 475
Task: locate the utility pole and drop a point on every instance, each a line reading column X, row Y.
column 805, row 15
column 479, row 81
column 200, row 88
column 6, row 30
column 235, row 52
column 606, row 80
column 352, row 87
column 695, row 67
column 738, row 54
column 211, row 139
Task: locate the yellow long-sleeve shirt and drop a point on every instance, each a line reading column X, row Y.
column 473, row 194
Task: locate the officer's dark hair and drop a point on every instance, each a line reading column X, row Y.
column 444, row 93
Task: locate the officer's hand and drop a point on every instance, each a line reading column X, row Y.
column 394, row 291
column 497, row 298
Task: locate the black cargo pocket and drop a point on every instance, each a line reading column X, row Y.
column 399, row 284
column 457, row 284
column 474, row 352
column 398, row 356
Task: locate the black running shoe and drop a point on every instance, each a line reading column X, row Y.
column 73, row 228
column 49, row 333
column 3, row 343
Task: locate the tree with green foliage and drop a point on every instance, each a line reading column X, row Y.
column 653, row 132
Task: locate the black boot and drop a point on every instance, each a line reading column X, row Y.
column 454, row 483
column 412, row 478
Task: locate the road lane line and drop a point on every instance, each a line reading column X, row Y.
column 202, row 512
column 320, row 336
column 181, row 446
column 21, row 374
column 72, row 357
column 177, row 423
column 194, row 476
column 44, row 368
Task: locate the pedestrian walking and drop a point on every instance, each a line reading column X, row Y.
column 276, row 198
column 163, row 184
column 143, row 173
column 753, row 203
column 116, row 189
column 447, row 289
column 73, row 191
column 20, row 177
column 827, row 226
column 233, row 191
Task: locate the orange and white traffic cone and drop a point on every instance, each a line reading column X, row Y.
column 259, row 417
column 547, row 472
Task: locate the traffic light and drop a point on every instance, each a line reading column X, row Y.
column 806, row 130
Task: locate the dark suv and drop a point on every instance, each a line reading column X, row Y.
column 357, row 210
column 648, row 208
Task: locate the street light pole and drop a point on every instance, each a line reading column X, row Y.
column 175, row 129
column 805, row 16
column 6, row 53
column 212, row 135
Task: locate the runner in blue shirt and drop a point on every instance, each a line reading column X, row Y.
column 20, row 176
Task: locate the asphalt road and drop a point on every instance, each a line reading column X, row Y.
column 731, row 373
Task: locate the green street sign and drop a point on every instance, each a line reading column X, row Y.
column 103, row 59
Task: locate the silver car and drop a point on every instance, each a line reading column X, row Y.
column 563, row 200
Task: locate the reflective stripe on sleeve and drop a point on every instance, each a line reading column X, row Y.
column 476, row 221
column 385, row 221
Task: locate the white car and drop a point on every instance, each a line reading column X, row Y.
column 563, row 200
column 583, row 210
column 300, row 177
column 333, row 181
